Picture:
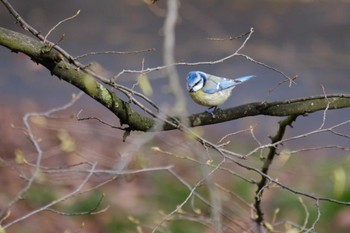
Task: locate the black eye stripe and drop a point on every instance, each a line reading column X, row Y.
column 197, row 83
column 201, row 78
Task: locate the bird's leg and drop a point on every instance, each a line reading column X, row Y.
column 211, row 112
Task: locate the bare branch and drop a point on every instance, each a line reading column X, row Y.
column 221, row 60
column 35, row 143
column 113, row 53
column 92, row 211
column 230, row 37
column 265, row 168
column 63, row 198
column 59, row 23
column 290, row 79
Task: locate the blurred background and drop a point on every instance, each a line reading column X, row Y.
column 307, row 38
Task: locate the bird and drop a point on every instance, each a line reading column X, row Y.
column 210, row 90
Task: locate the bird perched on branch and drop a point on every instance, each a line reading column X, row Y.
column 209, row 90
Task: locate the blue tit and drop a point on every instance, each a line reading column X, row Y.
column 209, row 90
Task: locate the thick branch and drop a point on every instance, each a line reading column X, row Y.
column 55, row 63
column 299, row 106
column 267, row 163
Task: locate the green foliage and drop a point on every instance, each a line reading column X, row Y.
column 168, row 194
column 85, row 204
column 185, row 227
column 118, row 224
column 39, row 195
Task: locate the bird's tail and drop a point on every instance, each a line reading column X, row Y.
column 244, row 78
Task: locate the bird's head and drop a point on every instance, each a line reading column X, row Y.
column 195, row 80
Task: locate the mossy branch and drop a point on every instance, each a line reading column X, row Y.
column 299, row 106
column 39, row 52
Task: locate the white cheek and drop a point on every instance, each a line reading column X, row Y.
column 197, row 87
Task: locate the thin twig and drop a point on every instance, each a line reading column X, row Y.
column 45, row 207
column 92, row 211
column 275, row 181
column 290, row 79
column 326, row 109
column 317, row 131
column 307, row 213
column 231, row 134
column 179, row 206
column 98, row 119
column 114, row 53
column 111, row 172
column 59, row 23
column 229, row 38
column 293, row 78
column 221, row 60
column 37, row 147
column 345, row 148
column 312, row 228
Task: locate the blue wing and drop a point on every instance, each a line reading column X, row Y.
column 214, row 84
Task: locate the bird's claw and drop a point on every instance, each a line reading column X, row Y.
column 212, row 112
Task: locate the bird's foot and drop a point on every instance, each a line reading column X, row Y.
column 212, row 112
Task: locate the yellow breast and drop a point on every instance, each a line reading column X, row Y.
column 210, row 100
